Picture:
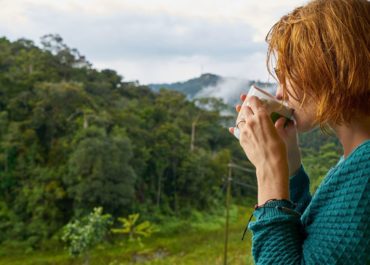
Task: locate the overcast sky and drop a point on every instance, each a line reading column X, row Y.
column 155, row 40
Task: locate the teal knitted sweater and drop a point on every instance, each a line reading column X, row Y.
column 331, row 227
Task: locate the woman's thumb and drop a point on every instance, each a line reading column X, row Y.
column 280, row 123
column 285, row 127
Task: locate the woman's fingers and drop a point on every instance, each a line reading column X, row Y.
column 238, row 108
column 247, row 111
column 255, row 104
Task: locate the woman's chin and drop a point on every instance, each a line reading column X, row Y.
column 303, row 127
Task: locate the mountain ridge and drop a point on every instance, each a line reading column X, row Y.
column 212, row 85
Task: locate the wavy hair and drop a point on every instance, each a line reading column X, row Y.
column 322, row 50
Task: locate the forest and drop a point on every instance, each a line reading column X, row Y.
column 73, row 138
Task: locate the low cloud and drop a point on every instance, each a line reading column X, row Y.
column 228, row 89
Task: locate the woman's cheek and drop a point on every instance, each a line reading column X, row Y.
column 304, row 123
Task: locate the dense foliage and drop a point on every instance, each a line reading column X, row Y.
column 73, row 138
column 82, row 236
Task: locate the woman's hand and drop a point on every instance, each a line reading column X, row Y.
column 265, row 148
column 290, row 137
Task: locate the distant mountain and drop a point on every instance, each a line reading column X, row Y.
column 211, row 85
column 190, row 87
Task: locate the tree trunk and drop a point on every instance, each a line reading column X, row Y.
column 86, row 122
column 159, row 186
column 87, row 259
column 194, row 123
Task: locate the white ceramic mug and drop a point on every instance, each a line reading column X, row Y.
column 276, row 108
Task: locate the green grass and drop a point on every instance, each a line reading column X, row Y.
column 199, row 240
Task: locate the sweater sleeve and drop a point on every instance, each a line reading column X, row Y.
column 277, row 235
column 334, row 229
column 299, row 186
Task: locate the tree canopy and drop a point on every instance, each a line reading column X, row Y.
column 73, row 138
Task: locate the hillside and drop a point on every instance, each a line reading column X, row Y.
column 73, row 138
column 211, row 85
column 190, row 87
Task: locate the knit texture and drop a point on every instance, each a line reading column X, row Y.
column 331, row 227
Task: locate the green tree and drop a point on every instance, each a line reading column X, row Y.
column 82, row 235
column 99, row 172
column 134, row 231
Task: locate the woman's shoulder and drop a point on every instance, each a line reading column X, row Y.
column 354, row 168
column 348, row 182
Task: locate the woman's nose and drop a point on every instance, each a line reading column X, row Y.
column 279, row 93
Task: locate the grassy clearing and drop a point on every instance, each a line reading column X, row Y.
column 197, row 241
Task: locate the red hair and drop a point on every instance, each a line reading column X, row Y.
column 322, row 50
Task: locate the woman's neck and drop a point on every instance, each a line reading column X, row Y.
column 353, row 134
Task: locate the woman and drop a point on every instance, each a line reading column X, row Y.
column 322, row 59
